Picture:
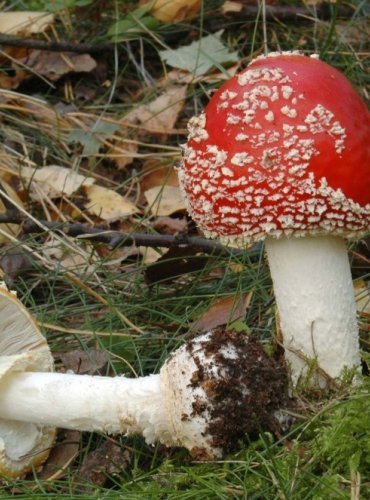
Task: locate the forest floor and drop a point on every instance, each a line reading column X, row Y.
column 91, row 129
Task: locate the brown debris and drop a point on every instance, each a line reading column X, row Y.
column 87, row 362
column 244, row 401
column 107, row 460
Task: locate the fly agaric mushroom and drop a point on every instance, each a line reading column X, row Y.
column 282, row 153
column 210, row 392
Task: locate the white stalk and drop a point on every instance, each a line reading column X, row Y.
column 315, row 299
column 204, row 397
column 86, row 403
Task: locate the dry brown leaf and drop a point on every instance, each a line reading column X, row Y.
column 53, row 181
column 25, row 23
column 11, row 82
column 156, row 173
column 169, row 225
column 218, row 75
column 87, row 362
column 8, row 229
column 62, row 455
column 108, row 460
column 79, row 261
column 230, row 6
column 107, row 204
column 123, row 152
column 16, row 262
column 160, row 115
column 149, row 255
column 222, row 312
column 54, row 65
column 174, row 263
column 176, row 76
column 164, row 200
column 353, row 33
column 45, row 114
column 173, row 11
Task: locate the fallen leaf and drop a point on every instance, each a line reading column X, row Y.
column 223, row 312
column 11, row 82
column 16, row 262
column 53, row 181
column 64, row 452
column 174, row 11
column 81, row 261
column 164, row 200
column 176, row 76
column 10, row 230
column 150, row 255
column 216, row 76
column 54, row 65
column 230, row 6
column 353, row 33
column 108, row 460
column 123, row 152
column 174, row 263
column 169, row 225
column 200, row 56
column 88, row 362
column 157, row 173
column 160, row 115
column 164, row 225
column 157, row 117
column 107, row 204
column 25, row 22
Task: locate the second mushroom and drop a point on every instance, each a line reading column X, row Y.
column 282, row 154
column 208, row 395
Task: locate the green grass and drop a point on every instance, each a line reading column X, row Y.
column 325, row 455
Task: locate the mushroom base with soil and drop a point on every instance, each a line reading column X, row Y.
column 207, row 396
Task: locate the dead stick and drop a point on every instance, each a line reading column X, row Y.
column 52, row 46
column 117, row 239
column 280, row 12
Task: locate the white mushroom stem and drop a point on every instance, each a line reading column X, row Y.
column 86, row 403
column 207, row 395
column 315, row 299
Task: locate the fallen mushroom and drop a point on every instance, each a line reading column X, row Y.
column 282, row 154
column 209, row 393
column 23, row 445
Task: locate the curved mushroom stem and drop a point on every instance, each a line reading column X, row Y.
column 208, row 394
column 315, row 299
column 86, row 403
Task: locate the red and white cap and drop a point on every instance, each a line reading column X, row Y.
column 283, row 148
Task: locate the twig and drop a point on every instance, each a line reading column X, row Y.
column 79, row 48
column 293, row 13
column 117, row 239
column 280, row 12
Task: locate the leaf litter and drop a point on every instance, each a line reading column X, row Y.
column 110, row 164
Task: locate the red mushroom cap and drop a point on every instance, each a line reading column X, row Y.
column 281, row 148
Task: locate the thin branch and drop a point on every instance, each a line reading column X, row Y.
column 116, row 239
column 293, row 12
column 53, row 46
column 280, row 12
